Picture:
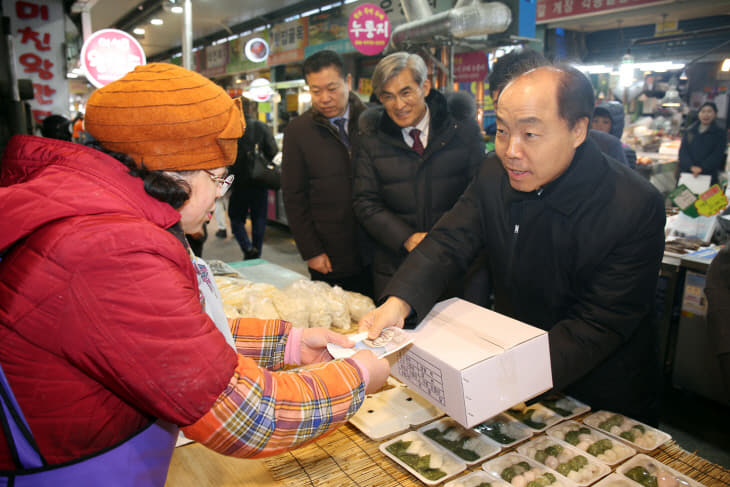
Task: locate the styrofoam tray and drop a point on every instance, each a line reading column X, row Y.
column 615, row 480
column 497, row 467
column 650, row 440
column 589, row 473
column 619, row 451
column 391, row 412
column 494, row 429
column 452, row 465
column 564, row 406
column 541, row 415
column 478, row 477
column 654, row 468
column 482, row 446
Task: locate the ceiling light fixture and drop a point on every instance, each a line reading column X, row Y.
column 176, row 9
column 725, row 65
column 156, row 22
column 139, row 31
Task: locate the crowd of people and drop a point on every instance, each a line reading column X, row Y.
column 104, row 294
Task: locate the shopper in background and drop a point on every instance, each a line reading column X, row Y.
column 220, row 215
column 78, row 129
column 717, row 290
column 56, row 127
column 247, row 199
column 520, row 61
column 608, row 117
column 703, row 146
column 104, row 338
column 574, row 242
column 316, row 178
column 417, row 156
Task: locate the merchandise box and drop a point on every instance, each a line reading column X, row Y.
column 474, row 363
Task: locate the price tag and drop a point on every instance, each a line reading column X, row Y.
column 711, row 202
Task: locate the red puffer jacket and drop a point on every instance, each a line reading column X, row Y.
column 87, row 268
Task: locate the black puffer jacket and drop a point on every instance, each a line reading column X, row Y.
column 397, row 192
column 580, row 260
column 704, row 149
column 316, row 181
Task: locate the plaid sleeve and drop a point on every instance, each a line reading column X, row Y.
column 263, row 413
column 263, row 341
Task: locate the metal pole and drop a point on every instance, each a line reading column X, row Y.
column 187, row 38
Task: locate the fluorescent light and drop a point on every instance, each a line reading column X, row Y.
column 725, row 65
column 156, row 22
column 139, row 31
column 176, row 9
column 594, row 68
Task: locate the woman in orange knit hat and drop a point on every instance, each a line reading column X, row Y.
column 105, row 342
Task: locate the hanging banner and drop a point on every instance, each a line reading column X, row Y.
column 249, row 53
column 287, row 42
column 38, row 38
column 369, row 29
column 109, row 54
column 548, row 10
column 470, row 66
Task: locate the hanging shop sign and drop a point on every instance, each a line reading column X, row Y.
column 259, row 90
column 548, row 10
column 256, row 50
column 470, row 66
column 37, row 31
column 109, row 54
column 243, row 50
column 369, row 29
column 287, row 42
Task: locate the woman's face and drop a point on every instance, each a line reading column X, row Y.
column 706, row 115
column 199, row 208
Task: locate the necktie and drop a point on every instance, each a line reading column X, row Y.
column 340, row 122
column 417, row 145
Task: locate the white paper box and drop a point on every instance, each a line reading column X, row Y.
column 474, row 363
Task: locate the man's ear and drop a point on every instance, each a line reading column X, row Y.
column 348, row 81
column 426, row 87
column 580, row 131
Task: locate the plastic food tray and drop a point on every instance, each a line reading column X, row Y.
column 621, row 450
column 653, row 466
column 590, row 473
column 475, row 478
column 615, row 480
column 542, row 414
column 480, row 444
column 391, row 412
column 505, row 425
column 452, row 464
column 575, row 407
column 495, row 467
column 659, row 437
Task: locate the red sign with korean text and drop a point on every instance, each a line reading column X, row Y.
column 38, row 37
column 470, row 66
column 369, row 29
column 561, row 9
column 109, row 54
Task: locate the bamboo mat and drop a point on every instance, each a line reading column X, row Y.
column 348, row 458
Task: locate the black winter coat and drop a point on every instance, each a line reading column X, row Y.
column 256, row 133
column 706, row 149
column 580, row 259
column 397, row 192
column 316, row 182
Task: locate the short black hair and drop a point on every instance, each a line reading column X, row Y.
column 575, row 95
column 708, row 104
column 323, row 59
column 513, row 64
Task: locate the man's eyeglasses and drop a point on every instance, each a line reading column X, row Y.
column 223, row 183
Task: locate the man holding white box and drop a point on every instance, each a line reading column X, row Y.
column 574, row 244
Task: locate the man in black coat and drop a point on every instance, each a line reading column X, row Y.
column 402, row 189
column 316, row 178
column 574, row 242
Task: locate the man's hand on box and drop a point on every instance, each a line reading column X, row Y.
column 392, row 312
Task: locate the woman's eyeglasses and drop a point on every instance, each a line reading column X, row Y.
column 223, row 183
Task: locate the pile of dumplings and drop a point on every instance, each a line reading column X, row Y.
column 304, row 303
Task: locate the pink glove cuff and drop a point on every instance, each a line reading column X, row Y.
column 293, row 350
column 363, row 371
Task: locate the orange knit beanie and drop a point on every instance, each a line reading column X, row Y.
column 167, row 118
